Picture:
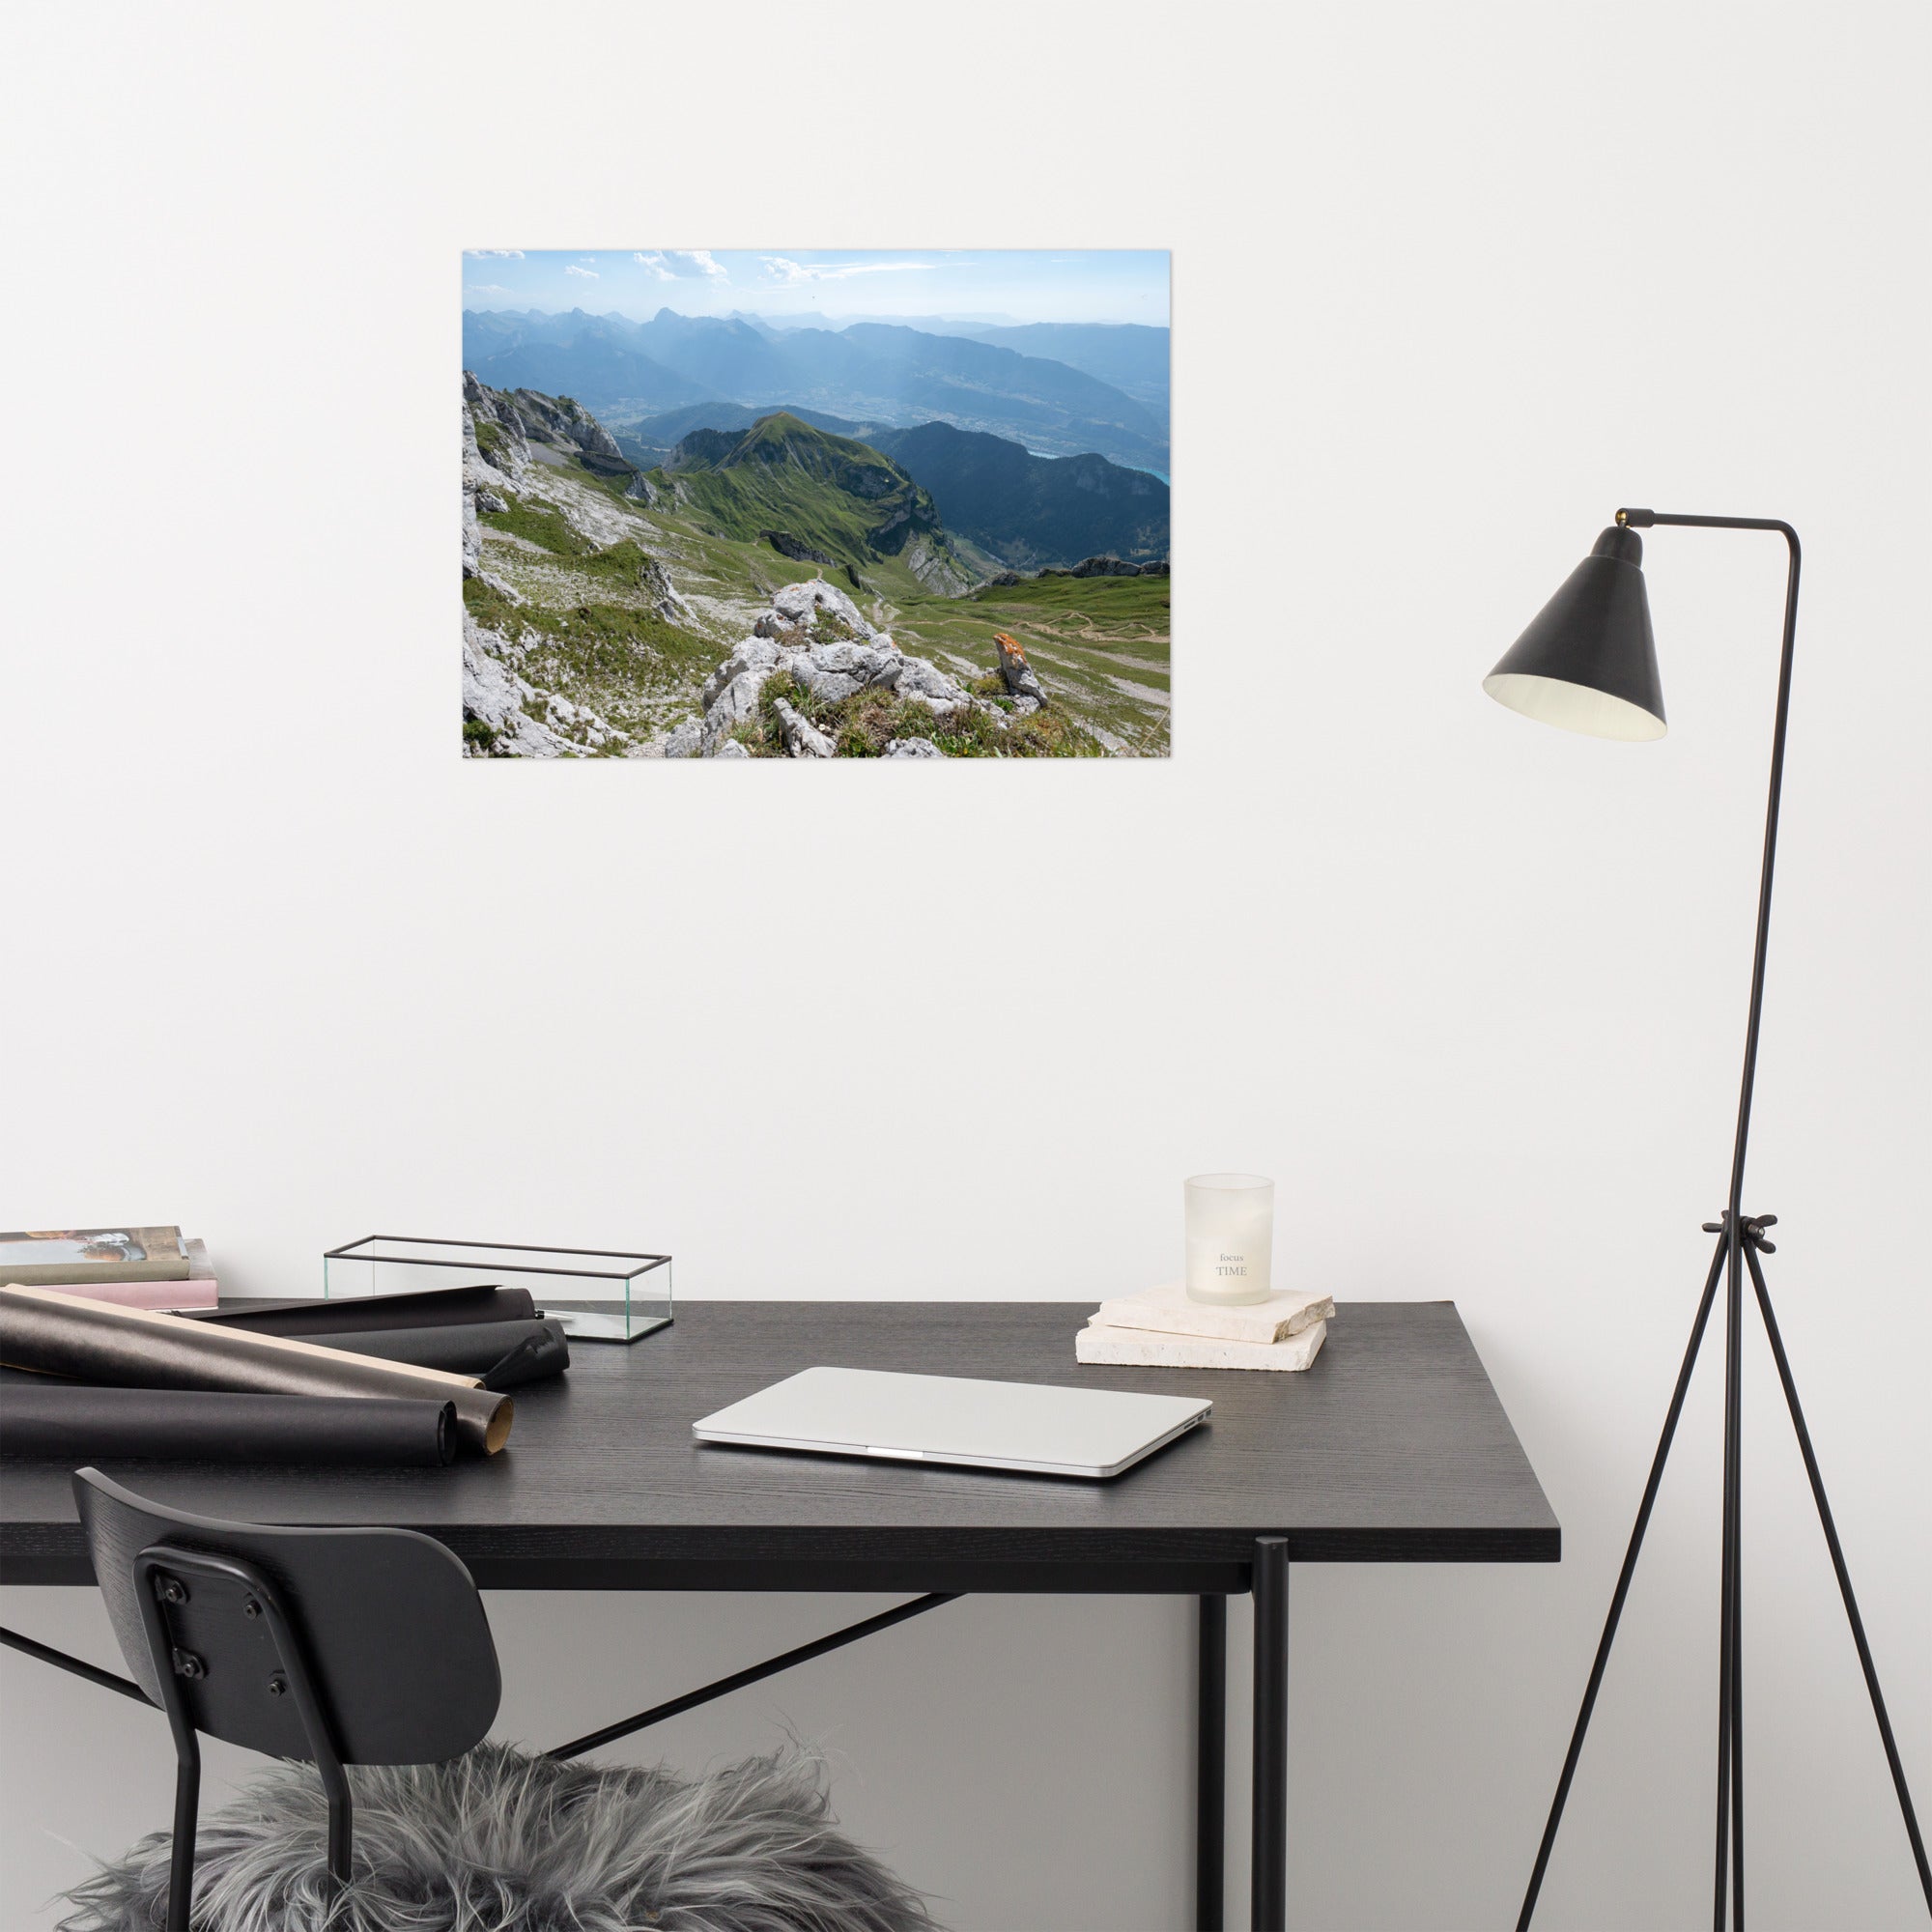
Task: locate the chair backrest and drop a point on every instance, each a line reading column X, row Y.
column 389, row 1628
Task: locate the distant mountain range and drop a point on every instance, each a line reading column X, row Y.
column 1029, row 510
column 867, row 372
column 1130, row 355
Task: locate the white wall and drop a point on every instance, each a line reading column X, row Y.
column 1450, row 285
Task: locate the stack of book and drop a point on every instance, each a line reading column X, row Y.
column 1162, row 1328
column 131, row 1267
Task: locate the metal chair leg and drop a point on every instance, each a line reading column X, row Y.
column 341, row 1832
column 181, row 1862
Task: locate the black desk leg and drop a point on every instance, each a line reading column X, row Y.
column 1269, row 1893
column 1210, row 1766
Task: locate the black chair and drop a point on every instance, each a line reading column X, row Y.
column 329, row 1646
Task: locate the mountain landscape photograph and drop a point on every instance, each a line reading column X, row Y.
column 878, row 503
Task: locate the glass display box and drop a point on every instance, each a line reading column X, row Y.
column 598, row 1295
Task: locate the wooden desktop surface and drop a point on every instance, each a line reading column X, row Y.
column 1393, row 1447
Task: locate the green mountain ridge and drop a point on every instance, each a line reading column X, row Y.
column 834, row 493
column 650, row 439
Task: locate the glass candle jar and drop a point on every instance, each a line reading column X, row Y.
column 1229, row 1237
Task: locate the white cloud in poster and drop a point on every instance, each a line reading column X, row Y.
column 781, row 269
column 588, row 275
column 495, row 254
column 670, row 265
column 484, row 289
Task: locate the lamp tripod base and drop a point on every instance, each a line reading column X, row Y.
column 1741, row 1241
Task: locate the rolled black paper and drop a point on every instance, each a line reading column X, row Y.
column 72, row 1424
column 138, row 1348
column 363, row 1314
column 466, row 1347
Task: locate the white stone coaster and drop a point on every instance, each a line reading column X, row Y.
column 1143, row 1347
column 1168, row 1309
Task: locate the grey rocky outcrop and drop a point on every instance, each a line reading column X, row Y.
column 815, row 640
column 802, row 738
column 913, row 748
column 561, row 423
column 494, row 697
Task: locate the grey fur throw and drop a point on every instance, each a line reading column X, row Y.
column 499, row 1842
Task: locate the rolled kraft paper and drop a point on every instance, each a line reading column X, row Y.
column 465, row 1348
column 364, row 1313
column 68, row 1423
column 135, row 1348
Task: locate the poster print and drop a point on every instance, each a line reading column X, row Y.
column 796, row 505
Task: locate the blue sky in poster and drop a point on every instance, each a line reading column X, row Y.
column 977, row 285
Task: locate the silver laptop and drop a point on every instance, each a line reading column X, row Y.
column 1045, row 1431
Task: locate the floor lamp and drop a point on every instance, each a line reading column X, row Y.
column 1588, row 663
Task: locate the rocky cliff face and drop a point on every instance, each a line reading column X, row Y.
column 1092, row 566
column 515, row 648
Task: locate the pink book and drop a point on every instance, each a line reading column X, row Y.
column 160, row 1294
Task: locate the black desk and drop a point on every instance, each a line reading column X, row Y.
column 1392, row 1448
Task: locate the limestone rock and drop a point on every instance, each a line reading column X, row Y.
column 802, row 603
column 686, row 741
column 495, row 697
column 813, row 638
column 754, row 655
column 564, row 425
column 915, row 677
column 803, row 739
column 831, row 672
column 737, row 703
column 913, row 748
column 730, row 749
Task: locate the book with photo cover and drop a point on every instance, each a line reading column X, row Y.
column 62, row 1257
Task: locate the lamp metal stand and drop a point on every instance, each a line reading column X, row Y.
column 1741, row 1241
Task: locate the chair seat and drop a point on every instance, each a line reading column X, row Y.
column 498, row 1841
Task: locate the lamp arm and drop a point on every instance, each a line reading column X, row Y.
column 1643, row 519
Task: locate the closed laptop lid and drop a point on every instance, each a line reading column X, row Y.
column 953, row 1419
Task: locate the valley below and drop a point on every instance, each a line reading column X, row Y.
column 777, row 589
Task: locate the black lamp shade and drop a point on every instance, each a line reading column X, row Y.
column 1588, row 662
